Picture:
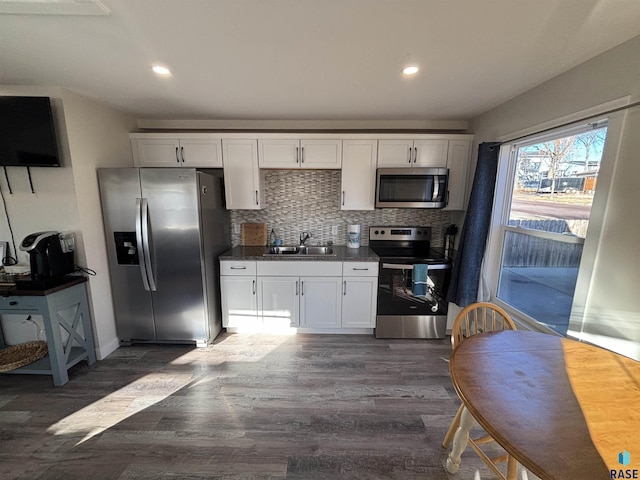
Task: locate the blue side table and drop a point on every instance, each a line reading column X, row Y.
column 67, row 325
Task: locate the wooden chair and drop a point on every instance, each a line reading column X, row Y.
column 476, row 318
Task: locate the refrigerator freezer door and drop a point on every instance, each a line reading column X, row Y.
column 174, row 240
column 119, row 193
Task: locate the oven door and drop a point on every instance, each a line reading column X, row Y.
column 407, row 309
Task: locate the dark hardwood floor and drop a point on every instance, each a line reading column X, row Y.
column 248, row 406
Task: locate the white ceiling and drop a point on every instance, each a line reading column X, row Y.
column 308, row 59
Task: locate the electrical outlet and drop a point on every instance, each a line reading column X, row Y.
column 236, row 228
column 334, row 230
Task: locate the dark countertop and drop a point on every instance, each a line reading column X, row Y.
column 38, row 288
column 342, row 254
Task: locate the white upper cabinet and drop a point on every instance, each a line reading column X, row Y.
column 458, row 165
column 412, row 153
column 358, row 174
column 170, row 150
column 300, row 153
column 243, row 182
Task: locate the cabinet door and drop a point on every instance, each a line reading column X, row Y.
column 395, row 153
column 239, row 302
column 358, row 174
column 320, row 153
column 359, row 295
column 458, row 165
column 320, row 301
column 278, row 302
column 156, row 152
column 242, row 178
column 430, row 153
column 204, row 153
column 279, row 153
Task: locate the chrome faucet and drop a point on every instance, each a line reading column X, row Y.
column 304, row 236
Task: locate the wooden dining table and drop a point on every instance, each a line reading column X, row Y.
column 563, row 409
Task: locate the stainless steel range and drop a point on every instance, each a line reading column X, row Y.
column 412, row 283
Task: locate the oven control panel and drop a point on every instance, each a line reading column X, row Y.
column 399, row 233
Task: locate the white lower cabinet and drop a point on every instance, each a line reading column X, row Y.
column 299, row 302
column 359, row 294
column 239, row 302
column 278, row 300
column 320, row 302
column 238, row 295
column 315, row 295
column 307, row 293
column 359, row 302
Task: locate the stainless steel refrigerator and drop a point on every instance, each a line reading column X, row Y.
column 165, row 228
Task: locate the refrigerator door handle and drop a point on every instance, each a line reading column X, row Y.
column 146, row 244
column 143, row 267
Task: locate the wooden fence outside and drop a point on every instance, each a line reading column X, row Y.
column 522, row 250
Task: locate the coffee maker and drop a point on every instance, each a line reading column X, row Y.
column 50, row 257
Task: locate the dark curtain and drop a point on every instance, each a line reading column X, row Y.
column 465, row 276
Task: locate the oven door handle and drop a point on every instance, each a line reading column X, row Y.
column 399, row 266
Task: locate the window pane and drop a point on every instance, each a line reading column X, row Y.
column 553, row 190
column 538, row 277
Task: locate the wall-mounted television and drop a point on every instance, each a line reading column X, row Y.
column 27, row 133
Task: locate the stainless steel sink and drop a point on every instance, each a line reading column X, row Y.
column 283, row 251
column 301, row 250
column 316, row 251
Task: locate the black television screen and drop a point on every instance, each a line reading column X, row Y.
column 27, row 133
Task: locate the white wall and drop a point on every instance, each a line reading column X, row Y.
column 98, row 137
column 90, row 135
column 611, row 316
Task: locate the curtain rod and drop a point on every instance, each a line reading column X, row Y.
column 573, row 122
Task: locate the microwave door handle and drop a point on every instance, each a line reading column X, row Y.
column 141, row 260
column 436, row 188
column 146, row 244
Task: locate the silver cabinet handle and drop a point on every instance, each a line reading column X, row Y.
column 254, row 286
column 410, row 153
column 364, row 269
column 141, row 260
column 238, row 268
column 177, row 156
column 297, row 154
column 301, row 288
column 182, row 153
column 302, row 155
column 415, row 154
column 146, row 244
column 297, row 288
column 343, row 198
column 257, row 203
column 344, row 287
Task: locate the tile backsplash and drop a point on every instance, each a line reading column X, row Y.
column 309, row 201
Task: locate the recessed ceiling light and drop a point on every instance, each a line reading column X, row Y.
column 410, row 70
column 161, row 70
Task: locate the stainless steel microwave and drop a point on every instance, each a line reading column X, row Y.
column 412, row 187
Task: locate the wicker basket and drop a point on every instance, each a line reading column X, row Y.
column 17, row 356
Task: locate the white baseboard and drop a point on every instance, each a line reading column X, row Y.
column 108, row 349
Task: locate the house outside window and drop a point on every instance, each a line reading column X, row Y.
column 551, row 183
